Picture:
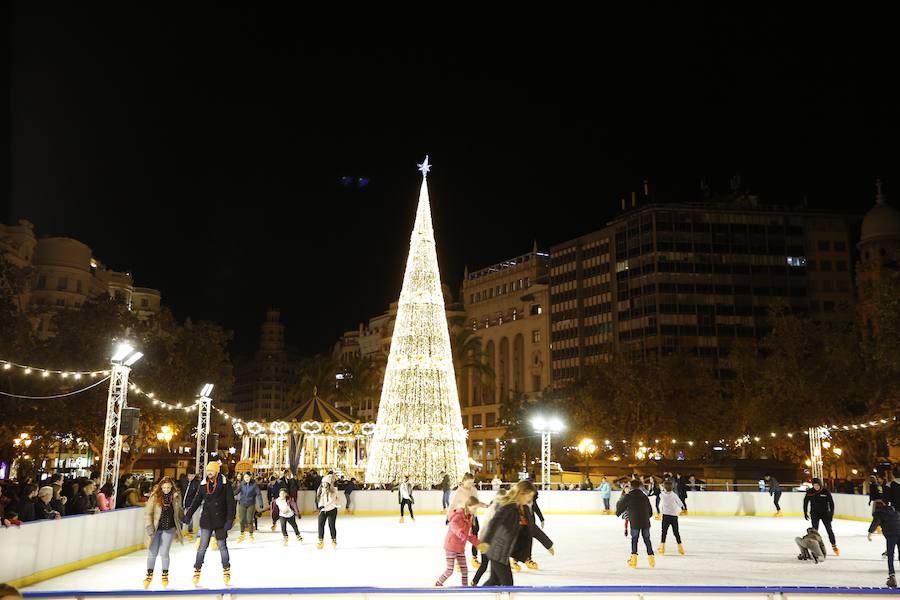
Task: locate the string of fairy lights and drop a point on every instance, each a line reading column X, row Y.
column 8, row 366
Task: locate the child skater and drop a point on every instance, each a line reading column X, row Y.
column 528, row 530
column 670, row 505
column 637, row 504
column 284, row 508
column 485, row 523
column 460, row 532
column 501, row 536
column 626, row 487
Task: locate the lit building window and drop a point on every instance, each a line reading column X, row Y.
column 796, row 261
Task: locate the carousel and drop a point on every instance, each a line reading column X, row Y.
column 315, row 435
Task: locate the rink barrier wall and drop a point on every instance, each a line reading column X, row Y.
column 41, row 550
column 496, row 593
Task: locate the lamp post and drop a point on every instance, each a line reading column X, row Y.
column 587, row 449
column 203, row 408
column 122, row 360
column 165, row 435
column 546, row 427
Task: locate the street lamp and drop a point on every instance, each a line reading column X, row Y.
column 587, row 449
column 165, row 435
column 23, row 440
column 122, row 360
column 546, row 427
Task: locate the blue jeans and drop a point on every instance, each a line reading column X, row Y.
column 221, row 538
column 892, row 543
column 159, row 546
column 644, row 533
column 606, row 504
column 445, row 499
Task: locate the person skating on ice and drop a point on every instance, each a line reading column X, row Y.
column 351, row 487
column 249, row 500
column 458, row 533
column 162, row 525
column 637, row 504
column 775, row 491
column 605, row 494
column 216, row 518
column 528, row 531
column 460, row 498
column 445, row 492
column 811, row 545
column 626, row 487
column 651, row 488
column 888, row 519
column 818, row 505
column 405, row 498
column 327, row 502
column 670, row 506
column 285, row 509
column 501, row 535
column 485, row 524
column 192, row 486
column 681, row 488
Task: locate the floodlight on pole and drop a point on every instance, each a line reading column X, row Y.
column 204, row 406
column 546, row 427
column 122, row 360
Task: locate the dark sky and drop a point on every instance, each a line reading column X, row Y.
column 202, row 147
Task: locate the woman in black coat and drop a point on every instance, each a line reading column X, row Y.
column 521, row 551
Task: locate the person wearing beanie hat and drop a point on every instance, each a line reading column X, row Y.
column 327, row 502
column 819, row 499
column 217, row 517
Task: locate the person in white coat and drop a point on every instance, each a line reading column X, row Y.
column 670, row 505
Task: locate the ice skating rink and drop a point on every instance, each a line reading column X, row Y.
column 590, row 550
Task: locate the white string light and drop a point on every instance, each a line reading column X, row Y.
column 9, row 365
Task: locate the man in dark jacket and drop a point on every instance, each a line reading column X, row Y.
column 822, row 504
column 774, row 491
column 191, row 487
column 681, row 488
column 25, row 507
column 891, row 491
column 637, row 504
column 889, row 520
column 86, row 501
column 217, row 498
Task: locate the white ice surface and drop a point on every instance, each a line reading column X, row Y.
column 590, row 550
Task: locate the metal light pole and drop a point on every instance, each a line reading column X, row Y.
column 204, row 404
column 122, row 360
column 546, row 427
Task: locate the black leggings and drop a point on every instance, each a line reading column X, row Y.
column 482, row 569
column 826, row 520
column 500, row 575
column 284, row 523
column 668, row 520
column 408, row 503
column 329, row 515
column 475, row 528
column 776, row 496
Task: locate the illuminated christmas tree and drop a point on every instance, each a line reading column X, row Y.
column 419, row 429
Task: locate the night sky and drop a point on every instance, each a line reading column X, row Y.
column 203, row 147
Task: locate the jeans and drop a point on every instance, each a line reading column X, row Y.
column 445, row 499
column 892, row 543
column 776, row 496
column 670, row 520
column 221, row 538
column 606, row 504
column 406, row 502
column 347, row 497
column 330, row 516
column 501, row 574
column 644, row 533
column 247, row 515
column 826, row 520
column 159, row 546
column 284, row 523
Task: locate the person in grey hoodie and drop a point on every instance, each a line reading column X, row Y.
column 249, row 500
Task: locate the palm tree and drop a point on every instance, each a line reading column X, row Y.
column 363, row 377
column 468, row 353
column 317, row 377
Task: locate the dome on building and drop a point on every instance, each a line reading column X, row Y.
column 882, row 221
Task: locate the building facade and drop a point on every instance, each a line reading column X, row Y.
column 506, row 307
column 693, row 277
column 879, row 253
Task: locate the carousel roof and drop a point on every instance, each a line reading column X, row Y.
column 316, row 409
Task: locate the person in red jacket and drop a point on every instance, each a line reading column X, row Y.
column 460, row 532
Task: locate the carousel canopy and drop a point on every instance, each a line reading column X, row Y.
column 316, row 409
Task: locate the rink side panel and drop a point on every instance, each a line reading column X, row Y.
column 41, row 550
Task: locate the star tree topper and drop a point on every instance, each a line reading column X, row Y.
column 424, row 167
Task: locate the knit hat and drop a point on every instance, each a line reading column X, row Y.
column 212, row 466
column 329, row 479
column 816, row 480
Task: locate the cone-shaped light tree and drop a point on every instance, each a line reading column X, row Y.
column 419, row 429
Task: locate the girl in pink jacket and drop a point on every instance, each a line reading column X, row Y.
column 460, row 532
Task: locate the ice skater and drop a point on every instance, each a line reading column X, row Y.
column 485, row 524
column 249, row 501
column 217, row 498
column 460, row 532
column 460, row 498
column 670, row 505
column 528, row 531
column 605, row 493
column 445, row 492
column 637, row 504
column 351, row 487
column 191, row 486
column 811, row 545
column 327, row 502
column 162, row 525
column 822, row 504
column 775, row 491
column 405, row 498
column 626, row 487
column 501, row 535
column 285, row 509
column 888, row 520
